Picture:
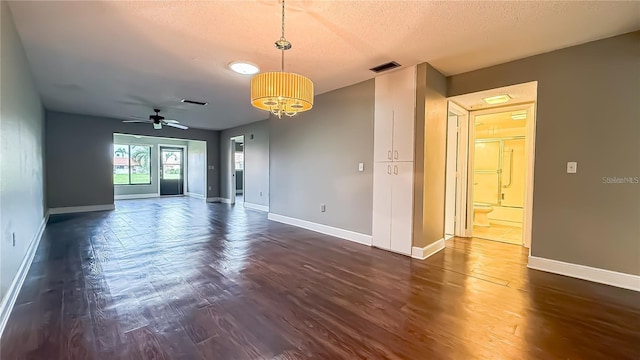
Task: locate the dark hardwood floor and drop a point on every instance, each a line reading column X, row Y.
column 177, row 278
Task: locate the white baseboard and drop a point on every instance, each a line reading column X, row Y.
column 613, row 278
column 219, row 200
column 11, row 296
column 253, row 206
column 323, row 229
column 424, row 252
column 135, row 196
column 80, row 209
column 194, row 195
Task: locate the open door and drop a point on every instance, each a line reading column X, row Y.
column 457, row 215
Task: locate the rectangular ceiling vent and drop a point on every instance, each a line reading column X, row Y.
column 385, row 67
column 194, row 102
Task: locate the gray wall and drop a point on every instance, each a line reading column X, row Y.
column 22, row 199
column 315, row 156
column 197, row 167
column 81, row 144
column 433, row 157
column 587, row 111
column 153, row 187
column 256, row 162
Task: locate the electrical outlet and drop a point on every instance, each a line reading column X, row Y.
column 323, row 208
column 260, row 193
column 13, row 236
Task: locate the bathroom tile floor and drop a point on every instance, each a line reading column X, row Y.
column 499, row 232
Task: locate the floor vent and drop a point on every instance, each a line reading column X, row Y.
column 385, row 67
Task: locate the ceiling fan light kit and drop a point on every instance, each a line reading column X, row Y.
column 282, row 93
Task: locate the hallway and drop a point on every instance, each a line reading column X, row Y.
column 178, row 278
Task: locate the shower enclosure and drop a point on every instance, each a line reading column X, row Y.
column 499, row 171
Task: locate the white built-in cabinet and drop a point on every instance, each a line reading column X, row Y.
column 394, row 127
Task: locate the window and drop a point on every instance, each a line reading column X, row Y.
column 131, row 164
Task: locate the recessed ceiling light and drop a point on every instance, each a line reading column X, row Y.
column 519, row 115
column 498, row 99
column 244, row 67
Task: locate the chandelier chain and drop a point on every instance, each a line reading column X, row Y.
column 282, row 19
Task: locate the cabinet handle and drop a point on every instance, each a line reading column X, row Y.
column 395, row 169
column 395, row 155
column 389, row 169
column 389, row 154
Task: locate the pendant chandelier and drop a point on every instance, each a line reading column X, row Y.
column 282, row 93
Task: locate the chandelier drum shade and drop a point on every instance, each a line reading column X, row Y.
column 282, row 93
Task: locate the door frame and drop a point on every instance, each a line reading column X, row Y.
column 184, row 167
column 527, row 220
column 461, row 217
column 231, row 178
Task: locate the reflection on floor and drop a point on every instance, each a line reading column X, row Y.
column 498, row 232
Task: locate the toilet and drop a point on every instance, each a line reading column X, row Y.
column 480, row 214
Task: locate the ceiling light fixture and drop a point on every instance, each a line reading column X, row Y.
column 282, row 93
column 244, row 67
column 498, row 99
column 519, row 115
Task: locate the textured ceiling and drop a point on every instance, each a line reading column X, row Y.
column 121, row 59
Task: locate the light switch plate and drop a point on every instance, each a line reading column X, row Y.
column 361, row 167
column 572, row 167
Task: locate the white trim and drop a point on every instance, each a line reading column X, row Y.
column 135, row 196
column 194, row 195
column 253, row 206
column 323, row 229
column 219, row 200
column 602, row 276
column 424, row 252
column 11, row 296
column 80, row 209
column 184, row 163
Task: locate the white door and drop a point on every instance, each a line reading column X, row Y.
column 383, row 118
column 382, row 185
column 402, row 207
column 404, row 99
column 451, row 185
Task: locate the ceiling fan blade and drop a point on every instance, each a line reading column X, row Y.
column 178, row 126
column 137, row 121
column 171, row 121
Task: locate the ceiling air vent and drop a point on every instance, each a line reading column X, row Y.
column 194, row 102
column 385, row 67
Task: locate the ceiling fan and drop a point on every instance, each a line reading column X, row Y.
column 157, row 120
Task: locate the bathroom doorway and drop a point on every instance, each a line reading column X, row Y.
column 498, row 173
column 489, row 192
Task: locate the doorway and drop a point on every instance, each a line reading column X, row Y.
column 498, row 173
column 490, row 164
column 171, row 171
column 237, row 180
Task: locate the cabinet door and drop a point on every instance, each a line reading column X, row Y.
column 402, row 207
column 382, row 185
column 404, row 100
column 383, row 120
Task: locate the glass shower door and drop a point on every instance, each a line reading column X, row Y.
column 486, row 172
